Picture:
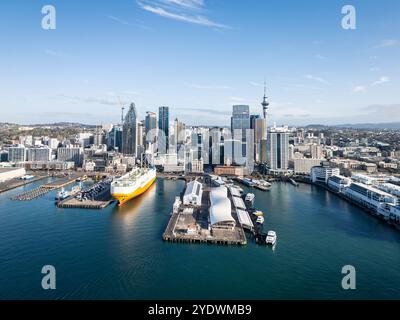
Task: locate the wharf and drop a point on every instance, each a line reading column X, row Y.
column 32, row 194
column 198, row 218
column 85, row 204
column 16, row 183
column 99, row 199
column 44, row 189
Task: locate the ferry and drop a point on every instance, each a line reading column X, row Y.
column 271, row 238
column 133, row 184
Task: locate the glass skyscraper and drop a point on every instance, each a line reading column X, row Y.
column 163, row 126
column 129, row 132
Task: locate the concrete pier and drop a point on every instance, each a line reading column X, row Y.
column 190, row 224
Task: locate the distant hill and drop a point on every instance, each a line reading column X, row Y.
column 389, row 125
column 64, row 125
column 372, row 126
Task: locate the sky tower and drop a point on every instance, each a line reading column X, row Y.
column 265, row 105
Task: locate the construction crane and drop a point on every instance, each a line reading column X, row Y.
column 122, row 110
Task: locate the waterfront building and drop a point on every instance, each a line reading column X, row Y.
column 278, row 149
column 390, row 188
column 338, row 183
column 193, row 193
column 17, row 154
column 163, row 126
column 304, row 165
column 321, row 174
column 70, row 154
column 129, row 132
column 38, row 154
column 47, row 165
column 3, row 156
column 229, row 171
column 221, row 209
column 369, row 197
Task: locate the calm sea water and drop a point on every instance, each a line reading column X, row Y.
column 117, row 253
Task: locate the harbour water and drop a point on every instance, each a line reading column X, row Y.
column 118, row 253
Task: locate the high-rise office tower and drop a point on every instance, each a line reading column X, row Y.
column 278, row 149
column 163, row 126
column 243, row 153
column 179, row 132
column 114, row 138
column 257, row 124
column 129, row 132
column 150, row 125
column 98, row 137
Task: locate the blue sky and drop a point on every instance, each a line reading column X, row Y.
column 200, row 57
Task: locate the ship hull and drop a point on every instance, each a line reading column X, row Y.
column 125, row 197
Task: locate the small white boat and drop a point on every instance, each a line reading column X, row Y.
column 62, row 195
column 260, row 220
column 271, row 238
column 249, row 197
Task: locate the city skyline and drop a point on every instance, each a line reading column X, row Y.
column 157, row 53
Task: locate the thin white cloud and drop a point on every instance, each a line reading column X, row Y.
column 359, row 89
column 192, row 4
column 381, row 80
column 315, row 78
column 388, row 43
column 180, row 10
column 207, row 87
column 119, row 20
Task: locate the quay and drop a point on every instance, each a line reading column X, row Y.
column 71, row 202
column 97, row 196
column 16, row 183
column 191, row 223
column 42, row 190
column 32, row 194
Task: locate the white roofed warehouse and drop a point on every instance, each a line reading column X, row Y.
column 221, row 209
column 193, row 194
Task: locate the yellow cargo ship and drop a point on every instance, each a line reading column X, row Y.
column 133, row 184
